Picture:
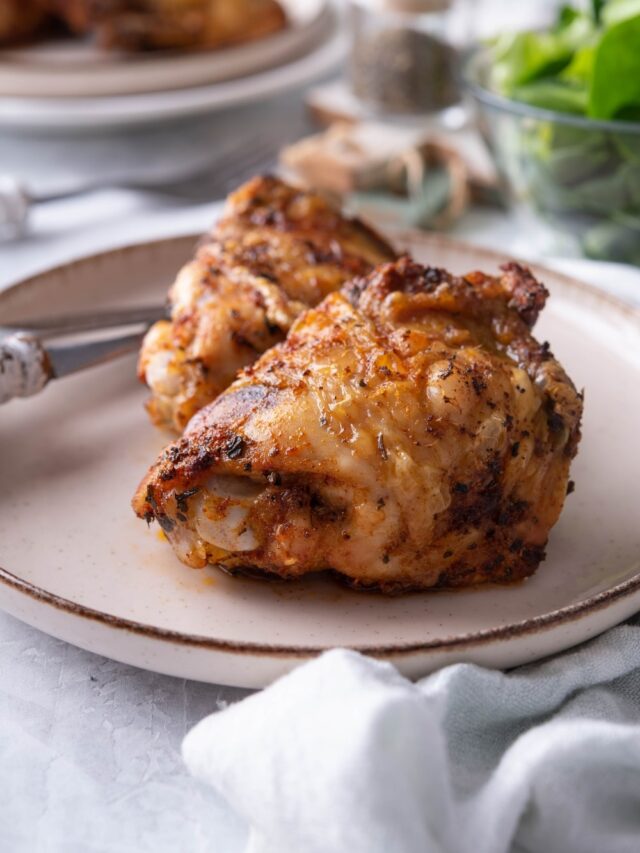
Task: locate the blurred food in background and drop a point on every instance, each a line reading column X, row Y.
column 20, row 19
column 179, row 126
column 396, row 176
column 396, row 149
column 557, row 92
column 560, row 108
column 134, row 25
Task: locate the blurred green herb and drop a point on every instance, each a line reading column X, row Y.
column 615, row 77
column 582, row 179
column 597, row 6
column 585, row 64
column 619, row 10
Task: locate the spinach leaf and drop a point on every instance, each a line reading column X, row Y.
column 552, row 95
column 523, row 57
column 580, row 70
column 618, row 239
column 596, row 7
column 582, row 180
column 619, row 10
column 566, row 16
column 573, row 159
column 627, row 145
column 615, row 81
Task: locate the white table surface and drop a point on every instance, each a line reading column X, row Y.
column 89, row 748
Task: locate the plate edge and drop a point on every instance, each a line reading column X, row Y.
column 527, row 627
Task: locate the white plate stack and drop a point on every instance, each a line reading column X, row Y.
column 74, row 85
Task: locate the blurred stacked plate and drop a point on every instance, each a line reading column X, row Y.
column 75, row 85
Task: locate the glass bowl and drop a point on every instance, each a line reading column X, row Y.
column 573, row 182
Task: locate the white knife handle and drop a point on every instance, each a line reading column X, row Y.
column 24, row 367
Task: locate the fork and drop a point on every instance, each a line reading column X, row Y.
column 202, row 185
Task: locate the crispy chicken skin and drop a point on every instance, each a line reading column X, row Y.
column 139, row 25
column 409, row 433
column 276, row 251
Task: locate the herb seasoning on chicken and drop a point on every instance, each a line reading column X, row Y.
column 276, row 251
column 409, row 433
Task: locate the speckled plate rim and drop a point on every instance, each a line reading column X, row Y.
column 527, row 627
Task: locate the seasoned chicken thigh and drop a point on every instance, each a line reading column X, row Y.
column 21, row 19
column 409, row 433
column 171, row 24
column 276, row 251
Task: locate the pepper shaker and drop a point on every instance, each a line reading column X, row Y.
column 403, row 56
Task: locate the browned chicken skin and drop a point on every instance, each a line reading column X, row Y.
column 409, row 433
column 276, row 251
column 137, row 25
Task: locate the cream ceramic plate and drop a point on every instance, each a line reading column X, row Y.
column 76, row 68
column 146, row 99
column 78, row 565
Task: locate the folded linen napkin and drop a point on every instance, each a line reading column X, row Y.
column 344, row 754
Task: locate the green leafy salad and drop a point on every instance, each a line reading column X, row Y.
column 580, row 176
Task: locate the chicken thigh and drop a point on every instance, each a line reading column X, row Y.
column 409, row 433
column 21, row 19
column 276, row 251
column 137, row 25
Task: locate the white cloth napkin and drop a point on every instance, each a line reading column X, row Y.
column 344, row 755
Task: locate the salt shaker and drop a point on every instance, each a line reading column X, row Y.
column 403, row 57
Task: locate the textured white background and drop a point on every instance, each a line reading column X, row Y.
column 90, row 754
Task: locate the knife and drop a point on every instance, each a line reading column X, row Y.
column 34, row 353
